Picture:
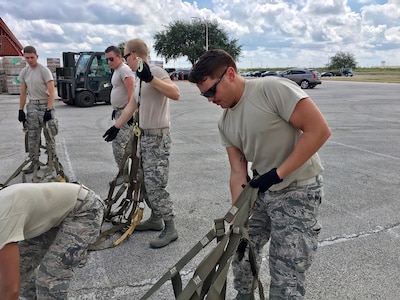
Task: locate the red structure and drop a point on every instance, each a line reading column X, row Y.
column 9, row 45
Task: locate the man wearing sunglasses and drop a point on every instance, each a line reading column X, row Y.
column 123, row 83
column 152, row 93
column 273, row 124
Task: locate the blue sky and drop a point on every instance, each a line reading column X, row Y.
column 273, row 33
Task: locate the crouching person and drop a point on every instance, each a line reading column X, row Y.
column 45, row 231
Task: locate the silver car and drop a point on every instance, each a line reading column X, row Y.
column 305, row 78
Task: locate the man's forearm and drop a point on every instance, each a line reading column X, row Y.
column 50, row 101
column 126, row 114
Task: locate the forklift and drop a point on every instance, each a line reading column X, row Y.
column 84, row 79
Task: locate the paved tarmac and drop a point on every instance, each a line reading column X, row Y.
column 358, row 256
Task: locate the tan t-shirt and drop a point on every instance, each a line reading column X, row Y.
column 28, row 210
column 154, row 107
column 119, row 93
column 258, row 125
column 36, row 81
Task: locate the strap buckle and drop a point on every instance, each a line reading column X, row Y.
column 137, row 131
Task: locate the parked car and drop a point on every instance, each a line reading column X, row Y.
column 257, row 73
column 347, row 72
column 244, row 74
column 181, row 74
column 326, row 74
column 343, row 72
column 305, row 78
column 270, row 73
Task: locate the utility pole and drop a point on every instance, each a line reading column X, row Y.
column 206, row 35
column 206, row 25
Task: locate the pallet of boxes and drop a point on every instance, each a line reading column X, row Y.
column 12, row 66
column 3, row 87
column 53, row 64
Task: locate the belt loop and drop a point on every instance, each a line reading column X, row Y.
column 83, row 192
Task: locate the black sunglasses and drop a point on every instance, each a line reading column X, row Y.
column 127, row 55
column 212, row 90
column 110, row 58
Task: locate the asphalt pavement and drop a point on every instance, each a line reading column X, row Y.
column 358, row 256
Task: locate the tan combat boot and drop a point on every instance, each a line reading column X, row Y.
column 168, row 235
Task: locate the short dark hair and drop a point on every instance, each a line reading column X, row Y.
column 211, row 64
column 30, row 49
column 113, row 49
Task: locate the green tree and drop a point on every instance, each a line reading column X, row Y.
column 121, row 47
column 342, row 60
column 185, row 38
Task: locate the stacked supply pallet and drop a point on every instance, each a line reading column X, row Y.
column 12, row 67
column 53, row 64
column 3, row 86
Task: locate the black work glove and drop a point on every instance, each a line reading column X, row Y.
column 265, row 181
column 21, row 116
column 130, row 121
column 145, row 74
column 113, row 114
column 47, row 115
column 241, row 248
column 111, row 133
column 247, row 179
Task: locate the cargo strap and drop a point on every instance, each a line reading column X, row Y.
column 53, row 163
column 209, row 278
column 129, row 198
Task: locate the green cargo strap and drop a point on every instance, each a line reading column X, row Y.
column 135, row 195
column 54, row 170
column 53, row 163
column 209, row 278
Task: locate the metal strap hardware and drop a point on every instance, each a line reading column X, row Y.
column 156, row 131
column 137, row 131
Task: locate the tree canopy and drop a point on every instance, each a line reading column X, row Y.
column 183, row 38
column 342, row 60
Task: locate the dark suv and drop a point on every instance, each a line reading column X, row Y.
column 305, row 78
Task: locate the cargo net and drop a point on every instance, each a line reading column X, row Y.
column 124, row 203
column 51, row 171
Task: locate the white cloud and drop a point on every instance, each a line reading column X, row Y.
column 393, row 34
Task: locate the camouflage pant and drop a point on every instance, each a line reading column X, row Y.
column 155, row 151
column 47, row 261
column 34, row 122
column 289, row 218
column 121, row 140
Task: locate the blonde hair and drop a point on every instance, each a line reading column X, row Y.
column 138, row 46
